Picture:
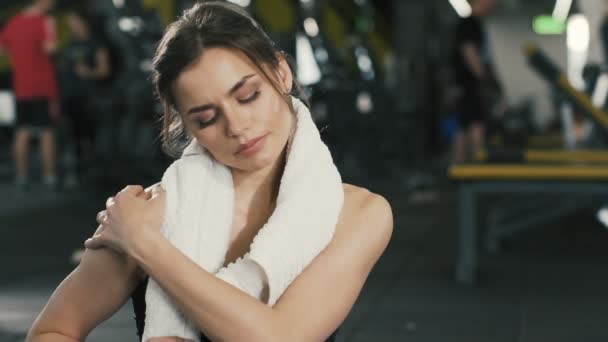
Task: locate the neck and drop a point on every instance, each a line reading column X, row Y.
column 260, row 187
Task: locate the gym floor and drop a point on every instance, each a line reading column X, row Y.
column 549, row 284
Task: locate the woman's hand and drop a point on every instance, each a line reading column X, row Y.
column 128, row 218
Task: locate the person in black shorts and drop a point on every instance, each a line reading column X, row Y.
column 29, row 39
column 474, row 77
column 83, row 62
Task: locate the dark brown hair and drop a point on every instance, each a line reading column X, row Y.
column 209, row 24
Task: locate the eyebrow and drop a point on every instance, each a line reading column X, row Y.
column 232, row 90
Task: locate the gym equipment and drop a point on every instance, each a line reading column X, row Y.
column 538, row 176
column 582, row 102
column 349, row 101
column 540, row 155
column 533, row 179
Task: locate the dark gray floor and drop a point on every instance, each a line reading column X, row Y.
column 550, row 284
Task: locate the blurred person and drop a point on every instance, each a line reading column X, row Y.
column 475, row 77
column 84, row 62
column 29, row 39
column 258, row 184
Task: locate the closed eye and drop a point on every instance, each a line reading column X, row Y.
column 205, row 123
column 202, row 123
column 250, row 98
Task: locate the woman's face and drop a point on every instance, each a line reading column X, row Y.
column 233, row 111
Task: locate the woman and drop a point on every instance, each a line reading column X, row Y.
column 222, row 90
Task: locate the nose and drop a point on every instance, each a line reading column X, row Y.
column 238, row 122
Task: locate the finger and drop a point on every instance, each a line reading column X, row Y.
column 99, row 229
column 102, row 216
column 151, row 187
column 109, row 202
column 149, row 190
column 133, row 189
column 157, row 191
column 145, row 194
column 94, row 243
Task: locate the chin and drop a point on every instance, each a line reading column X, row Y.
column 261, row 161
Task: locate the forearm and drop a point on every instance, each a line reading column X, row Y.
column 214, row 306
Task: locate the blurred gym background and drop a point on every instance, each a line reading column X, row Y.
column 505, row 245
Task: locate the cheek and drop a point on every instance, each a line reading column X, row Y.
column 277, row 113
column 269, row 105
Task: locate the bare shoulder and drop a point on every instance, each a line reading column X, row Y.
column 360, row 203
column 366, row 217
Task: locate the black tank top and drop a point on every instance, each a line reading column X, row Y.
column 138, row 298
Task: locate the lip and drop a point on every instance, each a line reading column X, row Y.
column 251, row 147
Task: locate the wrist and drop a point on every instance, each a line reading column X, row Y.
column 145, row 245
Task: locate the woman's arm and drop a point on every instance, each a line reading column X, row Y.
column 96, row 289
column 311, row 308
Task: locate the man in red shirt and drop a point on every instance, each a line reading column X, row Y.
column 29, row 39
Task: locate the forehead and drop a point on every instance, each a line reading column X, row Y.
column 216, row 70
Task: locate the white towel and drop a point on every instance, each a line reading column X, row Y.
column 199, row 213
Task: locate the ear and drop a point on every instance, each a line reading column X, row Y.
column 284, row 73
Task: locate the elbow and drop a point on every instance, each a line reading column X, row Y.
column 384, row 219
column 384, row 213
